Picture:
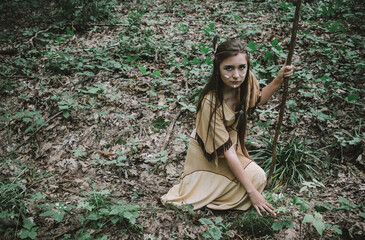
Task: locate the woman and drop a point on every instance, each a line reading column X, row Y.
column 218, row 171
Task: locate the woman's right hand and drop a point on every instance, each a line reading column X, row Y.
column 260, row 204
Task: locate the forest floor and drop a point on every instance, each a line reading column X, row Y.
column 95, row 119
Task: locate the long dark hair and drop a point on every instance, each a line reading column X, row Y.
column 215, row 85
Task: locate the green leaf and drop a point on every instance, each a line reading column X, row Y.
column 33, row 233
column 87, row 73
column 277, row 226
column 185, row 61
column 343, row 200
column 362, row 214
column 218, row 220
column 316, row 222
column 28, row 224
column 69, row 31
column 156, row 73
column 58, row 216
column 24, row 233
column 252, row 46
column 37, row 196
column 352, row 97
column 66, row 114
column 337, row 229
column 304, row 206
column 320, row 208
column 143, row 70
column 27, row 119
column 205, row 221
column 93, row 216
column 117, row 65
column 114, row 220
column 308, row 218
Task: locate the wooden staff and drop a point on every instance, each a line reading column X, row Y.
column 285, row 91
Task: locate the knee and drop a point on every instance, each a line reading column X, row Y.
column 259, row 177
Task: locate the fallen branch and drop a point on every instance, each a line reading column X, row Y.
column 33, row 134
column 169, row 132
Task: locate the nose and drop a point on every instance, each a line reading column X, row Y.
column 236, row 74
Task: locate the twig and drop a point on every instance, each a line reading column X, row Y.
column 72, row 191
column 285, row 91
column 34, row 133
column 168, row 135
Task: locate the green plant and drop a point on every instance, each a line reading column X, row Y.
column 217, row 229
column 66, row 103
column 313, row 217
column 182, row 138
column 12, row 206
column 80, row 11
column 101, row 211
column 308, row 186
column 79, row 153
column 251, row 224
column 160, row 123
column 29, row 229
column 345, row 138
column 33, row 117
column 295, row 160
column 56, row 210
column 161, row 157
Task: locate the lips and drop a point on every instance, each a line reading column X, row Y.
column 235, row 82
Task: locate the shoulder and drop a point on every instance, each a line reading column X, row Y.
column 210, row 98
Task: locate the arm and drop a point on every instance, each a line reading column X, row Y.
column 269, row 90
column 258, row 201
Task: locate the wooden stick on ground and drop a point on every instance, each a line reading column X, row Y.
column 285, row 90
column 169, row 131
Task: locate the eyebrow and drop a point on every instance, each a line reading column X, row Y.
column 233, row 65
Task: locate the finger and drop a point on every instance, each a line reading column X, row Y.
column 258, row 210
column 267, row 207
column 263, row 209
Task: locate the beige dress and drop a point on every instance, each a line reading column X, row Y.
column 212, row 183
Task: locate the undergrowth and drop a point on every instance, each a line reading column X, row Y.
column 76, row 61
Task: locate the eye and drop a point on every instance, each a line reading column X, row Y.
column 228, row 68
column 242, row 67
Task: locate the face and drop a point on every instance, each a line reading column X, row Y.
column 233, row 70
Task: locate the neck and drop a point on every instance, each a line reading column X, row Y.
column 231, row 93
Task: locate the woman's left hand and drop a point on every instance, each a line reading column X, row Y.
column 285, row 72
